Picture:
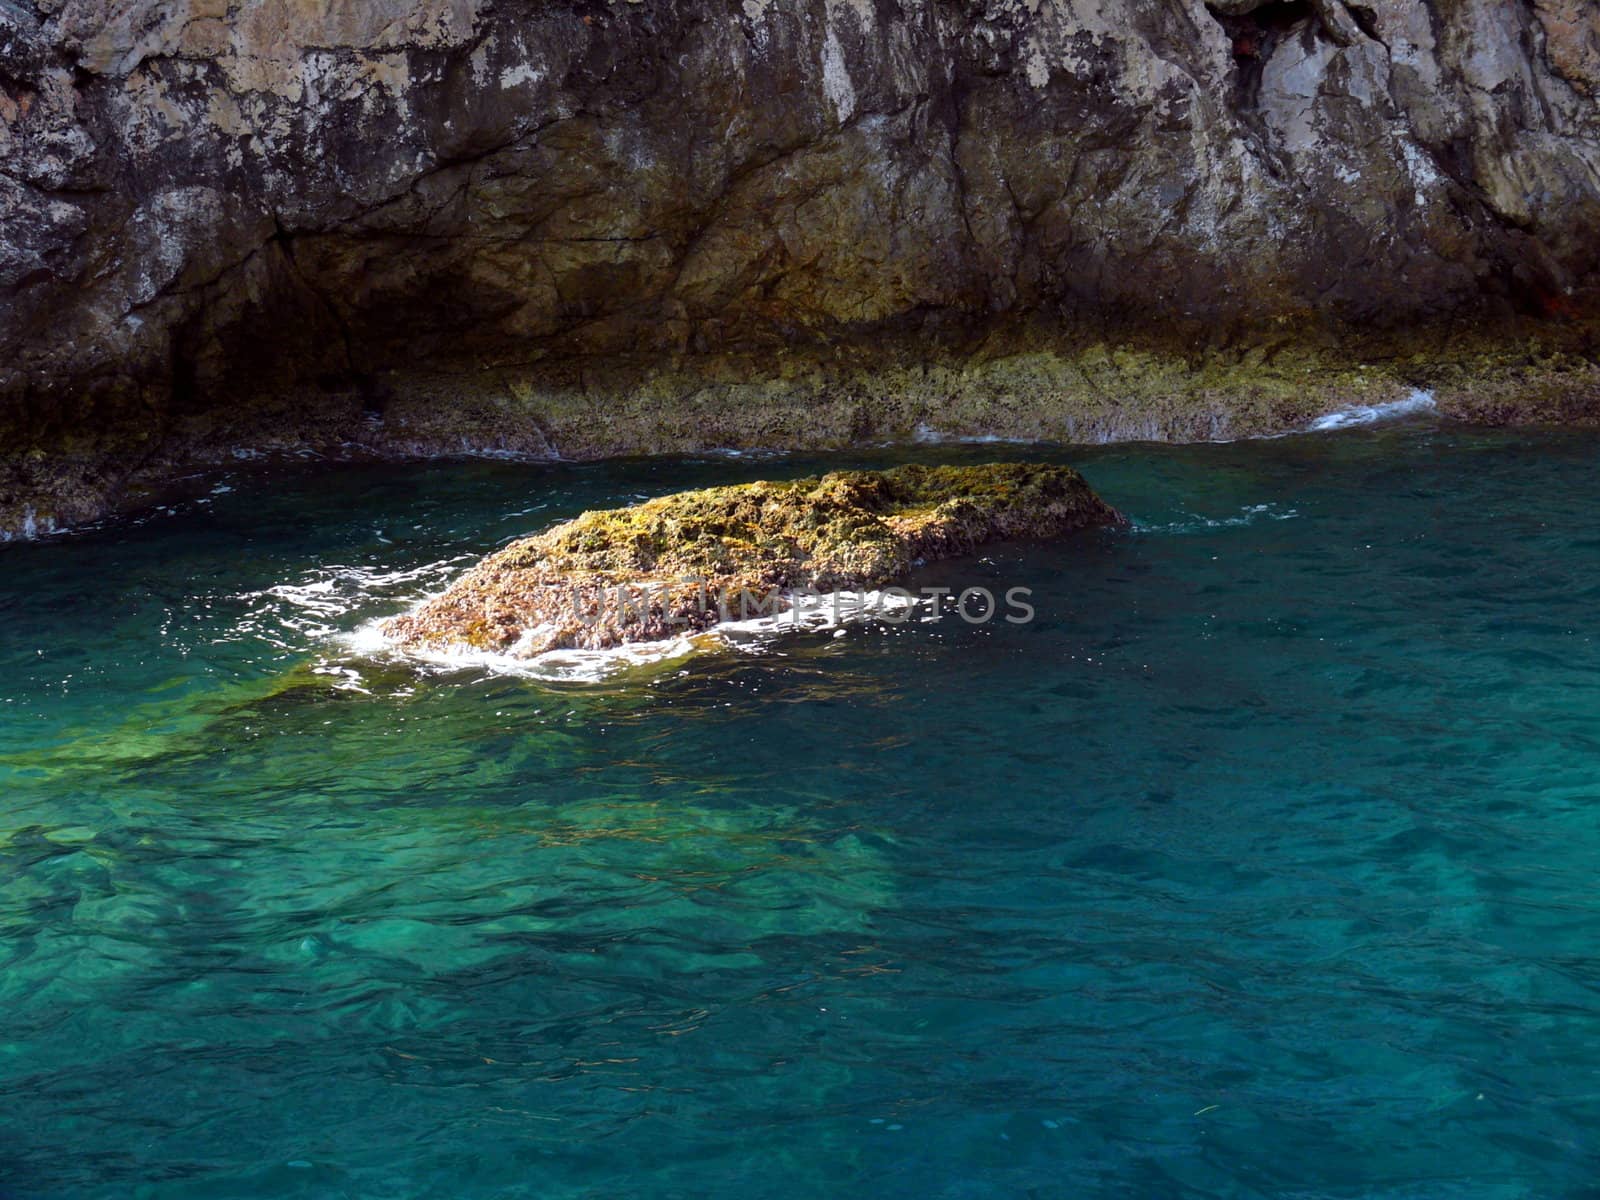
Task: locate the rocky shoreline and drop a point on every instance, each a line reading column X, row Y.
column 1039, row 388
column 579, row 229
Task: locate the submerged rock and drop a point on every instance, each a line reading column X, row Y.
column 688, row 561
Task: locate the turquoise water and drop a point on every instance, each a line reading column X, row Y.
column 1262, row 863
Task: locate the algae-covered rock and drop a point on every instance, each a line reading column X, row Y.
column 687, row 561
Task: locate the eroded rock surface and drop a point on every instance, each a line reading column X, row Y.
column 584, row 228
column 683, row 563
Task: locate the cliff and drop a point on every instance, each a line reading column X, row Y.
column 417, row 226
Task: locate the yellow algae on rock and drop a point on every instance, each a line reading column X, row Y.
column 680, row 563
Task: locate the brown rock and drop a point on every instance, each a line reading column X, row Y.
column 685, row 562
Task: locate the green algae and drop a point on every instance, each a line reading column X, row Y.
column 690, row 552
column 1023, row 379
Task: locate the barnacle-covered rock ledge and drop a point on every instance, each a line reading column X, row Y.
column 683, row 563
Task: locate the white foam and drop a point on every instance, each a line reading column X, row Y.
column 926, row 435
column 825, row 612
column 497, row 454
column 762, row 453
column 1419, row 400
column 288, row 614
column 580, row 666
column 31, row 529
column 1195, row 523
column 829, row 610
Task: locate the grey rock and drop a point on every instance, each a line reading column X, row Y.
column 578, row 228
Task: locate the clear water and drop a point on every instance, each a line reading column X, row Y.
column 1261, row 864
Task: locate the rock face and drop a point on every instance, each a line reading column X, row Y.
column 685, row 562
column 580, row 228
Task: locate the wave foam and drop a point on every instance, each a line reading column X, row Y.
column 289, row 614
column 33, row 527
column 831, row 611
column 926, row 435
column 1194, row 523
column 1419, row 400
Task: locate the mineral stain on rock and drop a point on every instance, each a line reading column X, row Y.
column 578, row 228
column 684, row 561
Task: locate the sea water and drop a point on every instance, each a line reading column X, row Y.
column 1261, row 862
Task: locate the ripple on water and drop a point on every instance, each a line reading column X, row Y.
column 1259, row 863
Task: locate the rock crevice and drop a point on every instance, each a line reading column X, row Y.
column 236, row 222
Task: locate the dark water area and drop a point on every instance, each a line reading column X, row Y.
column 1260, row 863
